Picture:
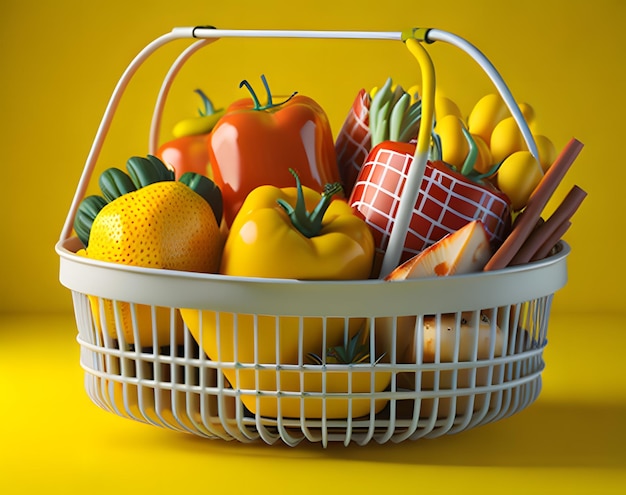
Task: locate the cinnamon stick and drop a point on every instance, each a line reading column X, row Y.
column 536, row 203
column 542, row 234
column 547, row 246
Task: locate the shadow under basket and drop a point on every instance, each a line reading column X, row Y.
column 230, row 358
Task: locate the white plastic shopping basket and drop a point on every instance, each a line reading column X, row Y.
column 444, row 354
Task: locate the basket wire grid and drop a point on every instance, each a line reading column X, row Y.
column 489, row 369
column 220, row 357
column 179, row 387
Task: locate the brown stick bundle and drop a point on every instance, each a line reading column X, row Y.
column 546, row 231
column 555, row 237
column 527, row 220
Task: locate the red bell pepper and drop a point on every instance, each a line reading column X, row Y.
column 447, row 200
column 254, row 145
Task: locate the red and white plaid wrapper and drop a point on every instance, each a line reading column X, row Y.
column 446, row 202
column 353, row 142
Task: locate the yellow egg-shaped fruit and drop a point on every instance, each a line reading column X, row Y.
column 528, row 113
column 518, row 176
column 485, row 114
column 547, row 151
column 454, row 145
column 506, row 139
column 445, row 106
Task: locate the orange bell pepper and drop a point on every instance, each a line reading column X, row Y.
column 188, row 151
column 254, row 145
column 186, row 154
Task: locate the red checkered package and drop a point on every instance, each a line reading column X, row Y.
column 447, row 200
column 354, row 141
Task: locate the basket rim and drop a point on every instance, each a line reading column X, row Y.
column 341, row 298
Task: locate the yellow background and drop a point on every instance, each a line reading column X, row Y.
column 60, row 62
column 61, row 59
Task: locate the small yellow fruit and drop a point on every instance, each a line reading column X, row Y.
column 506, row 139
column 445, row 106
column 547, row 151
column 518, row 176
column 528, row 113
column 487, row 112
column 454, row 145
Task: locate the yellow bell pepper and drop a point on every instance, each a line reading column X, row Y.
column 286, row 233
column 297, row 233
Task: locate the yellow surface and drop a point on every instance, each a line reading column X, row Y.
column 54, row 440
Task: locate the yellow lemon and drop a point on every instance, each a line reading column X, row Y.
column 518, row 176
column 485, row 114
column 506, row 139
column 164, row 225
column 528, row 113
column 454, row 145
column 547, row 151
column 445, row 106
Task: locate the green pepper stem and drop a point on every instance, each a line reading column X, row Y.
column 255, row 99
column 209, row 109
column 309, row 224
column 267, row 90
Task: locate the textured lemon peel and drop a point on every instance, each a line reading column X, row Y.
column 163, row 225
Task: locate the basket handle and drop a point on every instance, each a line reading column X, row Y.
column 155, row 125
column 415, row 174
column 208, row 34
column 432, row 35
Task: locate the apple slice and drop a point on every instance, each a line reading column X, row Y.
column 465, row 251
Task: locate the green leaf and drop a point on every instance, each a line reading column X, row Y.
column 85, row 215
column 206, row 188
column 115, row 183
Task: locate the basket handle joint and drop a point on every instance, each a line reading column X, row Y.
column 419, row 34
column 193, row 31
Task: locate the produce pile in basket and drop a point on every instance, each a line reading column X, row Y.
column 265, row 190
column 276, row 168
